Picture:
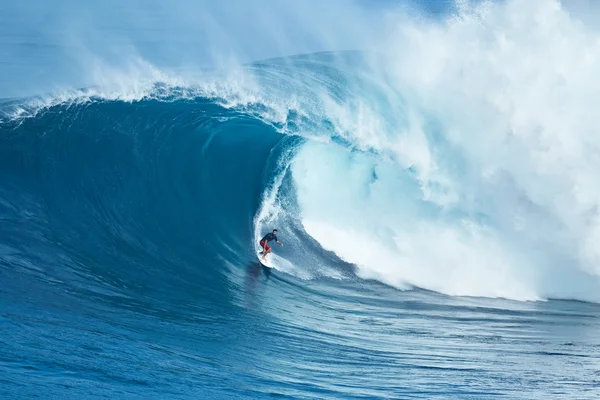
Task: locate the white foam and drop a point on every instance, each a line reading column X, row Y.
column 505, row 195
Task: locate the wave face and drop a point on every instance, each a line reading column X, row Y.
column 428, row 210
column 108, row 183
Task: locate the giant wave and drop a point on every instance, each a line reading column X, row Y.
column 475, row 179
column 416, row 186
column 364, row 171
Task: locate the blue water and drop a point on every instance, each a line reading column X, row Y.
column 130, row 206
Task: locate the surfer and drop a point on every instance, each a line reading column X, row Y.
column 264, row 243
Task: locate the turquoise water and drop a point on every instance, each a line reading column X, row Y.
column 133, row 190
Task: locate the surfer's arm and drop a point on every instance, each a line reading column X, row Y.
column 279, row 243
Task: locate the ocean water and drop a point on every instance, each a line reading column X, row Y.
column 431, row 168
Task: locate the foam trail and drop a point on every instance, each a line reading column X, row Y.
column 300, row 256
column 271, row 212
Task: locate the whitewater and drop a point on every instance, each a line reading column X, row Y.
column 433, row 180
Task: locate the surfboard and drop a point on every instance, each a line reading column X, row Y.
column 267, row 262
column 276, row 262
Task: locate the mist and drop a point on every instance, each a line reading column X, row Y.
column 58, row 44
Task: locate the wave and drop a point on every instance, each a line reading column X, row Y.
column 465, row 172
column 117, row 199
column 439, row 163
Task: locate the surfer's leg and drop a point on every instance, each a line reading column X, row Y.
column 266, row 250
column 264, row 257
